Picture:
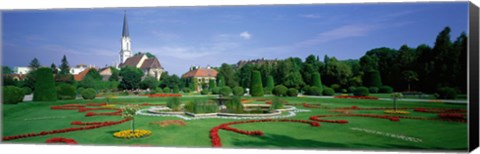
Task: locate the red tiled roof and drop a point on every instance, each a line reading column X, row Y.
column 132, row 61
column 151, row 63
column 81, row 75
column 201, row 72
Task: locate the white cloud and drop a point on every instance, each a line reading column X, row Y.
column 246, row 35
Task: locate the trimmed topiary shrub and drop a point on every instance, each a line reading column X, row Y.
column 204, row 92
column 176, row 90
column 447, row 93
column 373, row 90
column 315, row 91
column 66, row 92
column 211, row 84
column 351, row 89
column 238, row 91
column 292, row 92
column 216, row 90
column 27, row 90
column 225, row 91
column 385, row 89
column 280, row 90
column 336, row 87
column 328, row 91
column 361, row 91
column 79, row 90
column 158, row 90
column 267, row 90
column 166, row 90
column 372, row 79
column 44, row 85
column 89, row 93
column 186, row 90
column 270, row 84
column 12, row 95
column 256, row 88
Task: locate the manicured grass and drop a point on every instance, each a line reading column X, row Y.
column 435, row 135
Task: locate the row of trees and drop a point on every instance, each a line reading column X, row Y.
column 422, row 68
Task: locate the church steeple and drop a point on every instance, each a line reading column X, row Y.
column 125, row 51
column 125, row 26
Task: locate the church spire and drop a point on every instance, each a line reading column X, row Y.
column 125, row 26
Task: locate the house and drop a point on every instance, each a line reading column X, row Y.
column 105, row 73
column 202, row 75
column 149, row 66
column 81, row 75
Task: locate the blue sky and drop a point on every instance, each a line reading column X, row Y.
column 184, row 36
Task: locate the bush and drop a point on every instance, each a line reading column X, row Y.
column 174, row 103
column 12, row 95
column 216, row 90
column 176, row 90
column 238, row 91
column 292, row 92
column 225, row 91
column 335, row 87
column 186, row 90
column 317, row 81
column 267, row 90
column 361, row 91
column 280, row 90
column 328, row 91
column 158, row 90
column 315, row 91
column 372, row 79
column 256, row 88
column 234, row 105
column 352, row 89
column 373, row 90
column 27, row 90
column 44, row 85
column 204, row 92
column 166, row 90
column 66, row 92
column 386, row 89
column 89, row 93
column 79, row 90
column 447, row 93
column 149, row 83
column 344, row 91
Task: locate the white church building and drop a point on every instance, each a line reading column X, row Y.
column 149, row 65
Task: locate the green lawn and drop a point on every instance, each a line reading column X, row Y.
column 435, row 135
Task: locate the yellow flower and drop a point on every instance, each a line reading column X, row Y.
column 129, row 134
column 396, row 112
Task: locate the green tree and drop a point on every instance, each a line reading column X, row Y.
column 64, row 67
column 256, row 85
column 211, row 84
column 45, row 85
column 409, row 76
column 270, row 82
column 149, row 83
column 87, row 82
column 93, row 73
column 317, row 81
column 128, row 112
column 244, row 75
column 221, row 81
column 336, row 72
column 372, row 79
column 7, row 70
column 131, row 77
column 54, row 68
column 228, row 73
column 34, row 64
column 115, row 74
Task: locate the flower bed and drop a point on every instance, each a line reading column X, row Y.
column 61, row 140
column 452, row 116
column 396, row 112
column 93, row 126
column 170, row 122
column 318, row 106
column 435, row 110
column 358, row 97
column 215, row 138
column 128, row 134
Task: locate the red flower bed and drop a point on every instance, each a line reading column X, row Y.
column 452, row 116
column 103, row 124
column 215, row 138
column 82, row 108
column 163, row 95
column 61, row 140
column 314, row 106
column 358, row 97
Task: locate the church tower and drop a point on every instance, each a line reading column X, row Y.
column 125, row 51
